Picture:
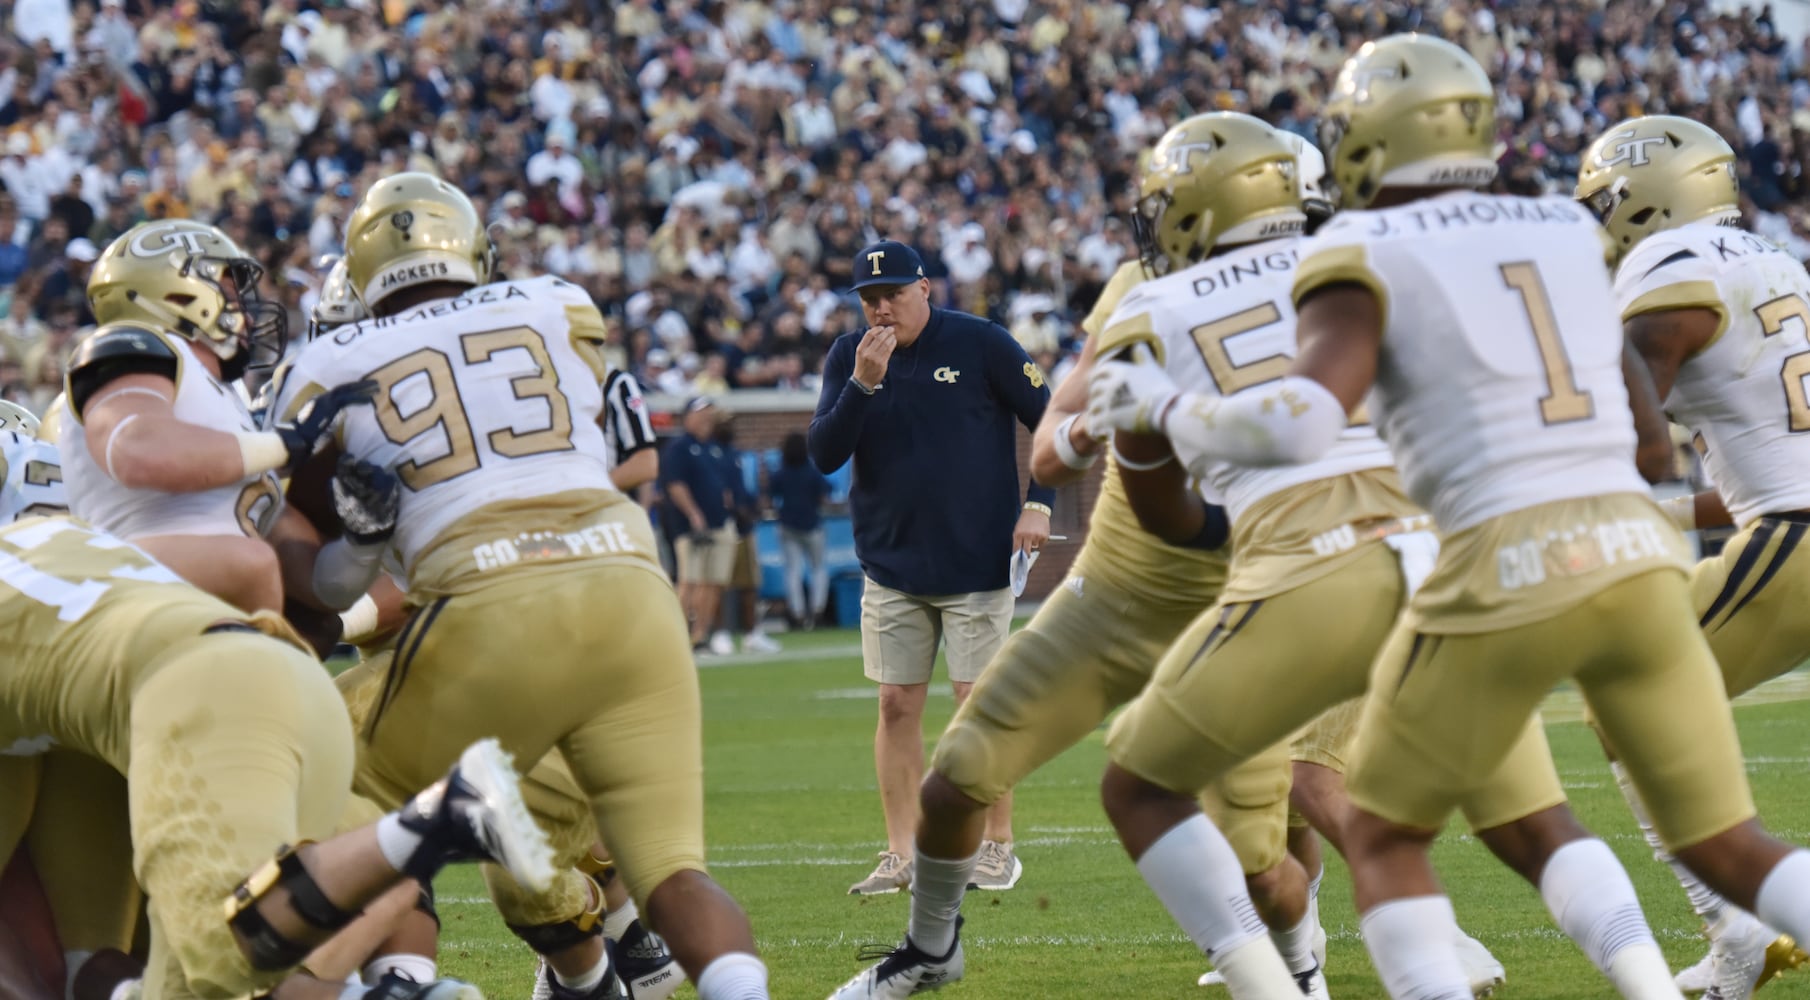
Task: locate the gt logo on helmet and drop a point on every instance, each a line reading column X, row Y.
column 190, row 241
column 1633, row 152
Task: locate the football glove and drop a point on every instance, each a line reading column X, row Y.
column 1129, row 396
column 366, row 497
column 303, row 437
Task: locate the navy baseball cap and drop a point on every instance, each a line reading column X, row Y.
column 887, row 262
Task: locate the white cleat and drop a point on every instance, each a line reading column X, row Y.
column 1746, row 955
column 476, row 813
column 1313, row 984
column 1485, row 974
column 1698, row 978
column 903, row 971
column 1213, row 977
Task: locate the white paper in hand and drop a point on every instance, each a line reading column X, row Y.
column 1020, row 569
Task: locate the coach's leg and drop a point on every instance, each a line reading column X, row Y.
column 899, row 636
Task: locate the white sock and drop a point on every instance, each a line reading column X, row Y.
column 397, row 843
column 1195, row 873
column 1588, row 893
column 415, row 968
column 1297, row 943
column 615, row 922
column 937, row 887
column 1413, row 944
column 1784, row 897
column 735, row 976
column 589, row 979
column 1704, row 900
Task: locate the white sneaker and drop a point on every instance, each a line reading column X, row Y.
column 889, row 876
column 1213, row 977
column 1745, row 955
column 1486, row 975
column 903, row 971
column 759, row 642
column 997, row 869
column 721, row 644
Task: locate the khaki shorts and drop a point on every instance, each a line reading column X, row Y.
column 710, row 563
column 1449, row 712
column 1088, row 650
column 552, row 796
column 746, row 573
column 900, row 633
column 1753, row 601
column 592, row 659
column 1218, row 715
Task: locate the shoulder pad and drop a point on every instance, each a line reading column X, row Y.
column 112, row 351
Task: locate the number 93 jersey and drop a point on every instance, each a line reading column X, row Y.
column 1223, row 325
column 1499, row 382
column 486, row 398
column 1746, row 391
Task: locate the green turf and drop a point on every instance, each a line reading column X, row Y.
column 794, row 819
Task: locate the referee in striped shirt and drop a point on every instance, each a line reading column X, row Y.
column 634, row 459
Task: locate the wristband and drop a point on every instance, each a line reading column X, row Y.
column 865, row 391
column 1041, row 508
column 1126, row 463
column 1065, row 448
column 262, row 451
column 359, row 621
column 1682, row 510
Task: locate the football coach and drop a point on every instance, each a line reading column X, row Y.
column 923, row 401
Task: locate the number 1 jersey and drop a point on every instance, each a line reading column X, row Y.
column 1499, row 383
column 489, row 398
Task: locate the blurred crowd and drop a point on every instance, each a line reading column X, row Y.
column 706, row 168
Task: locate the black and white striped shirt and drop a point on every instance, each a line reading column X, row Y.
column 626, row 427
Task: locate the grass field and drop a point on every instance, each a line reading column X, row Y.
column 794, row 819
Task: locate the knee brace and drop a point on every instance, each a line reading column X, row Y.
column 602, row 870
column 550, row 939
column 269, row 949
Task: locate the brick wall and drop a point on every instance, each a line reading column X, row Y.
column 763, row 419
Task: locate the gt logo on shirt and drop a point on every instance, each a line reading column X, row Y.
column 946, row 374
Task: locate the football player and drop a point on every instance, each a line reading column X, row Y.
column 1720, row 318
column 225, row 732
column 523, row 562
column 643, row 962
column 157, row 446
column 1502, row 388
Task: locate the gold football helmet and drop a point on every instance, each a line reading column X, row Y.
column 1658, row 172
column 191, row 280
column 18, row 419
column 412, row 229
column 336, row 306
column 1409, row 111
column 1214, row 179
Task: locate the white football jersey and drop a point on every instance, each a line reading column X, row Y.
column 33, row 475
column 488, row 397
column 1748, row 393
column 246, row 508
column 1499, row 385
column 1224, row 325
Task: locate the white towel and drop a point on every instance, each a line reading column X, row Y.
column 1416, row 551
column 1020, row 569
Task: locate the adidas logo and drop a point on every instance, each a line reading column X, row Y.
column 1075, row 584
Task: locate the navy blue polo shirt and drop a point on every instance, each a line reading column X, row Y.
column 701, row 466
column 935, row 494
